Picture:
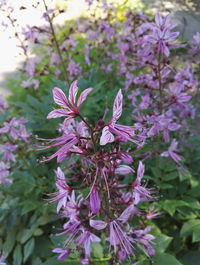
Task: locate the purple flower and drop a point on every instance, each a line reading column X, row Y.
column 31, row 34
column 98, row 224
column 171, row 152
column 63, row 253
column 161, row 36
column 126, row 158
column 31, row 82
column 140, row 193
column 85, row 239
column 119, row 237
column 16, row 129
column 2, row 259
column 30, row 66
column 74, row 69
column 125, row 132
column 128, row 213
column 7, row 150
column 152, row 213
column 63, row 190
column 95, row 202
column 55, row 59
column 70, row 106
column 161, row 123
column 123, row 170
column 72, row 208
column 145, row 239
column 3, row 104
column 4, row 173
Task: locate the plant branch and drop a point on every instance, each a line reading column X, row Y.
column 56, row 41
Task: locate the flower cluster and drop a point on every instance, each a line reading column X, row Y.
column 162, row 105
column 94, row 199
column 12, row 134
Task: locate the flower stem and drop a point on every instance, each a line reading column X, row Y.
column 160, row 84
column 56, row 41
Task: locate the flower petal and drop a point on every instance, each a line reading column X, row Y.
column 73, row 92
column 98, row 224
column 117, row 107
column 83, row 96
column 140, row 171
column 57, row 113
column 123, row 170
column 60, row 98
column 106, row 136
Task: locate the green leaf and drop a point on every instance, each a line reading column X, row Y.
column 196, row 234
column 184, row 174
column 170, row 176
column 17, row 256
column 192, row 202
column 24, row 235
column 9, row 243
column 29, row 206
column 162, row 242
column 97, row 250
column 171, row 205
column 191, row 258
column 36, row 261
column 165, row 259
column 189, row 227
column 166, row 186
column 28, row 248
column 38, row 232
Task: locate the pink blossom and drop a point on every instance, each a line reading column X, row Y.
column 71, row 106
column 63, row 190
column 125, row 132
column 140, row 193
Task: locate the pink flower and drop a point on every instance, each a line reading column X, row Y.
column 70, row 106
column 63, row 190
column 124, row 132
